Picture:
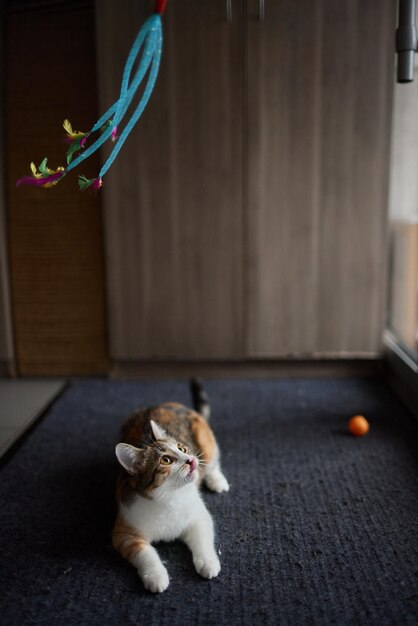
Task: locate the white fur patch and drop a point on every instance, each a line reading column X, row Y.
column 166, row 515
column 216, row 481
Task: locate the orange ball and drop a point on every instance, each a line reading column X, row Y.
column 358, row 426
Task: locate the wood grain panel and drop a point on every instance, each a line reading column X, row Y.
column 319, row 119
column 283, row 149
column 356, row 97
column 56, row 234
column 173, row 201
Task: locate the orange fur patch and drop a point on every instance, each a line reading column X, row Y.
column 204, row 437
column 126, row 539
column 163, row 415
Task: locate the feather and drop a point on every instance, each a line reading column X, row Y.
column 43, row 168
column 72, row 134
column 43, row 181
column 76, row 146
column 42, row 176
column 84, row 183
column 114, row 134
column 97, row 184
column 35, row 171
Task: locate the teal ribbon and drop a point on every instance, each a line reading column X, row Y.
column 150, row 39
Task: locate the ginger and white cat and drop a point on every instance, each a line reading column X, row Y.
column 166, row 452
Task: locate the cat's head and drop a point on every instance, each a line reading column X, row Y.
column 161, row 466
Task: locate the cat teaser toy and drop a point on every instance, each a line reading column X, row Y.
column 148, row 41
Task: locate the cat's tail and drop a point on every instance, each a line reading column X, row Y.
column 200, row 398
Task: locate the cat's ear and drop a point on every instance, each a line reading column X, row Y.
column 158, row 432
column 129, row 457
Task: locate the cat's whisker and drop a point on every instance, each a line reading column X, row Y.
column 199, row 457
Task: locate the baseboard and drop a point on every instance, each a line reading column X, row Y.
column 248, row 369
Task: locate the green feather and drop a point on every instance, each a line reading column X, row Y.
column 43, row 168
column 84, row 183
column 74, row 147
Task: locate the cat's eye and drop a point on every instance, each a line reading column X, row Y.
column 181, row 447
column 166, row 460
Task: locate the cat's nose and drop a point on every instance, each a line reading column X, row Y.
column 193, row 464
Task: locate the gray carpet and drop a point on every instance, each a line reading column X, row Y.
column 318, row 528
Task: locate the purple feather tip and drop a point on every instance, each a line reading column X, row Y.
column 97, row 184
column 39, row 182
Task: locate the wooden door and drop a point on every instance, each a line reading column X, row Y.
column 173, row 200
column 319, row 100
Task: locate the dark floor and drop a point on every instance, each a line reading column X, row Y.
column 318, row 528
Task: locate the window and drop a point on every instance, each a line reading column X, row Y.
column 403, row 222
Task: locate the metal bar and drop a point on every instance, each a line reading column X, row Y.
column 406, row 40
column 261, row 10
column 229, row 10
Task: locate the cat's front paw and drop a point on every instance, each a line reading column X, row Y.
column 155, row 581
column 208, row 567
column 217, row 482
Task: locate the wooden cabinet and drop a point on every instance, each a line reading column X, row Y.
column 320, row 78
column 246, row 215
column 284, row 129
column 174, row 199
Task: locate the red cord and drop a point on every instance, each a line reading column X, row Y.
column 160, row 6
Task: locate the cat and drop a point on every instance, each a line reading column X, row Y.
column 166, row 452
